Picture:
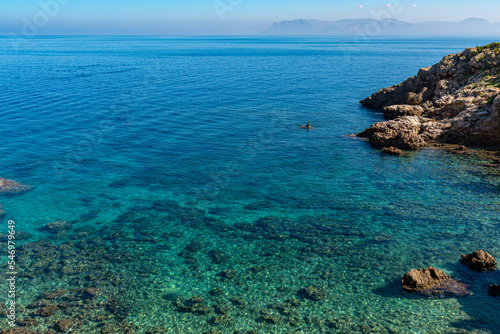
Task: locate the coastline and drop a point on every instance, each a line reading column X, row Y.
column 456, row 101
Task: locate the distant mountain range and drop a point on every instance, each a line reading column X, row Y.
column 372, row 27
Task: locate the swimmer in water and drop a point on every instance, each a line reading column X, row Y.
column 308, row 126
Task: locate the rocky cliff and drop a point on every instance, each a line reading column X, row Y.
column 454, row 101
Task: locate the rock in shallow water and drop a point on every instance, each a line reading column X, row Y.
column 193, row 305
column 46, row 311
column 17, row 330
column 57, row 227
column 494, row 290
column 65, row 325
column 12, row 187
column 227, row 274
column 54, row 294
column 479, row 260
column 402, row 133
column 392, row 151
column 432, row 281
column 312, row 292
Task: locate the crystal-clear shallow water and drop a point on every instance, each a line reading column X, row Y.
column 105, row 128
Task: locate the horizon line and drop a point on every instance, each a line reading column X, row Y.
column 262, row 35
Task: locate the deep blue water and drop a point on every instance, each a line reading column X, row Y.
column 147, row 144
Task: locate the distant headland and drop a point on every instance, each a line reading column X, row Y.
column 385, row 27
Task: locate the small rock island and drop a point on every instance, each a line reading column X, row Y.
column 455, row 101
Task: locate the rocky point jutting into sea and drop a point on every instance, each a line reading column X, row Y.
column 455, row 101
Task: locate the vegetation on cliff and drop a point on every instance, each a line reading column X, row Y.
column 454, row 101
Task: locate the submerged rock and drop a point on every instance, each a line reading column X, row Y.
column 494, row 290
column 313, row 293
column 12, row 187
column 392, row 151
column 46, row 311
column 432, row 281
column 194, row 247
column 54, row 294
column 57, row 227
column 479, row 260
column 88, row 293
column 17, row 330
column 28, row 322
column 227, row 274
column 37, row 304
column 221, row 320
column 65, row 325
column 193, row 305
column 270, row 319
column 213, row 331
column 216, row 292
column 218, row 257
column 455, row 101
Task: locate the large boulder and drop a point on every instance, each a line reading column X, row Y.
column 403, row 133
column 398, row 110
column 432, row 281
column 479, row 260
column 416, row 280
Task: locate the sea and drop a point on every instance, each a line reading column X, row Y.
column 173, row 190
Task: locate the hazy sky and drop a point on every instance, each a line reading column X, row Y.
column 192, row 17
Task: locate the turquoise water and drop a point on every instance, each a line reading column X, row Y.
column 174, row 159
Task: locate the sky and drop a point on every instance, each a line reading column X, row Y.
column 216, row 17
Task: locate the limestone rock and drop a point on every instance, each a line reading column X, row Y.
column 479, row 260
column 415, row 280
column 392, row 151
column 432, row 281
column 456, row 101
column 403, row 133
column 395, row 111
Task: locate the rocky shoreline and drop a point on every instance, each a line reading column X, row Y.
column 456, row 101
